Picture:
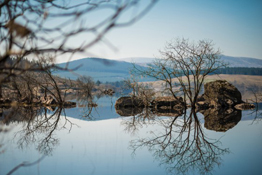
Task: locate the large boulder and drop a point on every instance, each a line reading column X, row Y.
column 221, row 93
column 127, row 102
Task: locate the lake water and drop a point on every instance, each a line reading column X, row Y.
column 105, row 143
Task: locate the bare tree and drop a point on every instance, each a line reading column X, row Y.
column 32, row 28
column 185, row 65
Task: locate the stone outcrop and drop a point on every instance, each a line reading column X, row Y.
column 127, row 102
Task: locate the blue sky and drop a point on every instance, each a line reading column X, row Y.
column 235, row 26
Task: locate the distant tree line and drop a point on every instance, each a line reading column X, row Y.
column 239, row 70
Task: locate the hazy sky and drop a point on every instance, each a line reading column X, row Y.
column 235, row 26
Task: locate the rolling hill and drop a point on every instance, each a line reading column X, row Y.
column 114, row 70
column 98, row 68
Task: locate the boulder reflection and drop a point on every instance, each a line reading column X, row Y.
column 221, row 120
column 182, row 146
column 125, row 112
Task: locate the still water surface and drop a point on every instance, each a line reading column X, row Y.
column 105, row 143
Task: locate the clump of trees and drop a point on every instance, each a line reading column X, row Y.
column 145, row 92
column 86, row 84
column 184, row 64
column 240, row 70
column 37, row 88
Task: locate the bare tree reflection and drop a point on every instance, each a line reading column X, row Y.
column 256, row 115
column 141, row 118
column 39, row 126
column 183, row 146
column 87, row 103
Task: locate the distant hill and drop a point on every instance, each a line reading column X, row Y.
column 242, row 61
column 98, row 68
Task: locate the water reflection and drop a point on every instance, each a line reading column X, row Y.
column 178, row 142
column 182, row 147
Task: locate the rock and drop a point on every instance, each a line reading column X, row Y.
column 244, row 106
column 125, row 102
column 167, row 102
column 221, row 120
column 221, row 93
